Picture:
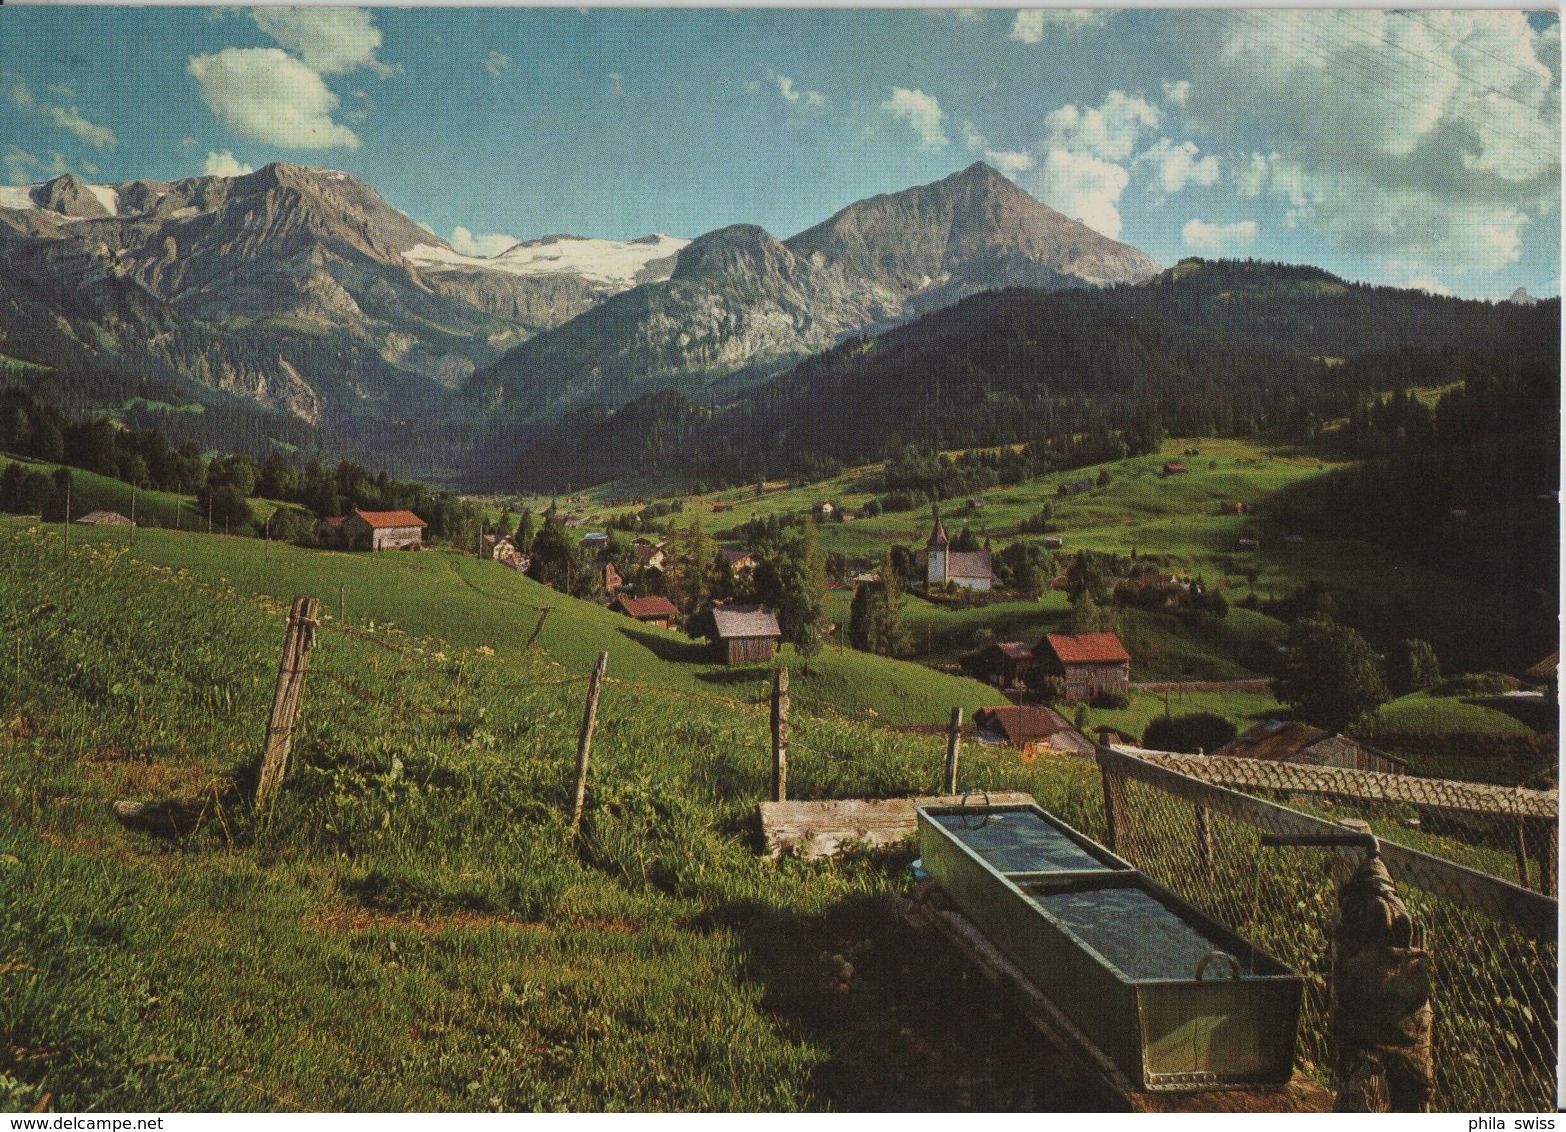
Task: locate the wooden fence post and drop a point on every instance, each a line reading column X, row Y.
column 953, row 750
column 1204, row 837
column 297, row 642
column 780, row 735
column 1521, row 846
column 584, row 743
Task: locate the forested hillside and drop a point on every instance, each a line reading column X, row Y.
column 1205, row 349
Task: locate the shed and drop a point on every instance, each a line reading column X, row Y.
column 658, row 611
column 1174, row 468
column 1003, row 663
column 1033, row 727
column 1277, row 740
column 1090, row 663
column 384, row 530
column 1053, row 542
column 105, row 519
column 744, row 633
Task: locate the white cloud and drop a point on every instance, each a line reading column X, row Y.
column 1084, row 187
column 616, row 84
column 1010, row 162
column 1177, row 165
column 265, row 95
column 496, row 62
column 487, row 246
column 328, row 39
column 64, row 117
column 791, row 94
column 1032, row 24
column 1110, row 130
column 1428, row 283
column 1177, row 93
column 224, row 164
column 922, row 113
column 1421, row 137
column 1218, row 239
column 22, row 167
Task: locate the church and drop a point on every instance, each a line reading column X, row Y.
column 939, row 563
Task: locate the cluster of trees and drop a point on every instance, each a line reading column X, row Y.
column 222, row 485
column 1334, row 679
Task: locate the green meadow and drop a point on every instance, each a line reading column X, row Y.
column 415, row 925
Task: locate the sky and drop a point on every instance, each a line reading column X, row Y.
column 1411, row 148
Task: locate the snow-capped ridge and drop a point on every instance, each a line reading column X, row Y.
column 607, row 262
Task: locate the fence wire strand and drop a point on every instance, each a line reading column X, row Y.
column 1494, row 977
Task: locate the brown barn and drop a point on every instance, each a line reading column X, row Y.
column 1174, row 468
column 658, row 611
column 743, row 633
column 1277, row 740
column 1089, row 663
column 1034, row 728
column 1003, row 663
column 384, row 530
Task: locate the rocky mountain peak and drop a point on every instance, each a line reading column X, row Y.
column 70, row 196
column 736, row 251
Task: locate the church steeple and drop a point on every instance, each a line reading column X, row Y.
column 938, row 537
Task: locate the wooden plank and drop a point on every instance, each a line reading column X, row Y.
column 823, row 829
column 1367, row 785
column 1530, row 912
column 1299, row 1095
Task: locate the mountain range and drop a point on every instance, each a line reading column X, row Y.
column 301, row 297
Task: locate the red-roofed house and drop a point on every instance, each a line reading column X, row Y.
column 658, row 611
column 384, row 530
column 1090, row 663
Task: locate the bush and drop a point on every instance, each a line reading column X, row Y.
column 1198, row 731
column 1111, row 700
column 1477, row 684
column 1051, row 689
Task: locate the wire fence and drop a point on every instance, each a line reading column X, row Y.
column 1493, row 944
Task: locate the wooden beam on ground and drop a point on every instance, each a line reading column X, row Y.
column 824, row 829
column 1299, row 1095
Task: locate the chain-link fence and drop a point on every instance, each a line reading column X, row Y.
column 1493, row 943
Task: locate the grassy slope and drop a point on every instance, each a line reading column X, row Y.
column 472, row 602
column 92, row 492
column 415, row 927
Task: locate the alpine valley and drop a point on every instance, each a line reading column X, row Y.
column 293, row 308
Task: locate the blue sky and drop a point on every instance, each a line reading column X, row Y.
column 1411, row 148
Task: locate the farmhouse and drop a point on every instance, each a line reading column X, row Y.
column 612, row 579
column 501, row 549
column 1033, row 728
column 719, row 508
column 739, row 561
column 1276, row 740
column 1003, row 663
column 658, row 611
column 105, row 519
column 743, row 633
column 383, row 530
column 824, row 508
column 1053, row 542
column 1090, row 663
column 968, row 569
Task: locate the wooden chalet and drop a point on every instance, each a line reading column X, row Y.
column 383, row 530
column 1033, row 728
column 1090, row 663
column 739, row 561
column 104, row 519
column 1276, row 740
column 658, row 611
column 744, row 633
column 1005, row 664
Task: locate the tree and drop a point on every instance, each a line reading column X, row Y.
column 1087, row 616
column 1199, row 731
column 527, row 527
column 875, row 620
column 1331, row 677
column 1412, row 666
